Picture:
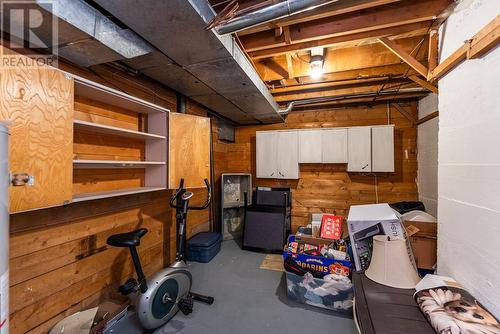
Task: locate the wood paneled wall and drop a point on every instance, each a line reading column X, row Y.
column 60, row 263
column 328, row 187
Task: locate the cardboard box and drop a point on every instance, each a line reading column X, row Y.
column 366, row 221
column 423, row 240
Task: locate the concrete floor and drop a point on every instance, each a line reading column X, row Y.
column 249, row 300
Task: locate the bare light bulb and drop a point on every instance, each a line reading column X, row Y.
column 316, row 69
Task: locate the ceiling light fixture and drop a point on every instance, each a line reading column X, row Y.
column 316, row 63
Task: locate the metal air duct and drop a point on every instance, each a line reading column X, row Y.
column 270, row 13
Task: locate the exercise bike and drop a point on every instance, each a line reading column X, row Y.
column 158, row 299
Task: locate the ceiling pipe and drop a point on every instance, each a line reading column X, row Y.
column 292, row 104
column 269, row 13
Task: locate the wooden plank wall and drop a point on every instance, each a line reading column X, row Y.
column 328, row 188
column 60, row 263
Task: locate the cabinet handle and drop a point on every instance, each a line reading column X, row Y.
column 365, row 166
column 22, row 179
column 272, row 174
column 281, row 174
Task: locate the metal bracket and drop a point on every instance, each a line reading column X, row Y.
column 21, row 179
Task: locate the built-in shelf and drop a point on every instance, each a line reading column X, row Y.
column 231, row 205
column 115, row 164
column 97, row 92
column 112, row 130
column 114, row 193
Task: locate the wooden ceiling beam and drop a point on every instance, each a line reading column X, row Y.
column 334, row 92
column 338, row 8
column 289, row 66
column 404, row 56
column 379, row 18
column 423, row 83
column 433, row 52
column 363, row 100
column 338, row 60
column 407, row 114
column 404, row 31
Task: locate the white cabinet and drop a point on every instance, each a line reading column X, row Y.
column 359, row 149
column 310, row 146
column 334, row 146
column 383, row 148
column 266, row 159
column 288, row 155
column 277, row 154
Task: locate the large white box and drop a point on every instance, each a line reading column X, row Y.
column 366, row 221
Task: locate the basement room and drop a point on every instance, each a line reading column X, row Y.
column 249, row 166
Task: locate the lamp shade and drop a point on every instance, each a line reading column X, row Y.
column 390, row 264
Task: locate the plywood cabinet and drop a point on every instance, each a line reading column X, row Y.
column 189, row 150
column 359, row 149
column 334, row 146
column 38, row 103
column 383, row 149
column 277, row 154
column 310, row 143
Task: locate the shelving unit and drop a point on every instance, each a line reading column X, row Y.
column 116, row 131
column 232, row 202
column 115, row 164
column 113, row 193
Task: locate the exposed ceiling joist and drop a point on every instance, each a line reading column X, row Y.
column 405, row 56
column 338, row 60
column 338, row 8
column 385, row 17
column 404, row 31
column 332, row 92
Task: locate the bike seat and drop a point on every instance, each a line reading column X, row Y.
column 128, row 239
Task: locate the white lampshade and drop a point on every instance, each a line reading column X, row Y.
column 390, row 264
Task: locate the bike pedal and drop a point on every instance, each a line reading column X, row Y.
column 186, row 305
column 128, row 287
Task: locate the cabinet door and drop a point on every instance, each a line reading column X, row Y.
column 334, row 146
column 38, row 102
column 288, row 155
column 310, row 146
column 189, row 150
column 359, row 149
column 266, row 159
column 383, row 149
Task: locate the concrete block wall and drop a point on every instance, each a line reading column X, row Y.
column 469, row 159
column 427, row 148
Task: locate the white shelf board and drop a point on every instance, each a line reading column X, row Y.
column 97, row 92
column 115, row 164
column 114, row 193
column 112, row 130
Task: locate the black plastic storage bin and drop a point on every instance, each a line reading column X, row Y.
column 204, row 246
column 404, row 207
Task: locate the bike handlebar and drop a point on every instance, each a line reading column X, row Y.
column 181, row 188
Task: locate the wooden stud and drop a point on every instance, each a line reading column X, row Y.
column 286, row 34
column 423, row 83
column 432, row 59
column 412, row 119
column 404, row 56
column 485, row 40
column 453, row 60
column 289, row 65
column 428, row 117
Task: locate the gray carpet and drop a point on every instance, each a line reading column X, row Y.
column 249, row 300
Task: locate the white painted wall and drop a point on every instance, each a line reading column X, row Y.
column 427, row 144
column 469, row 159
